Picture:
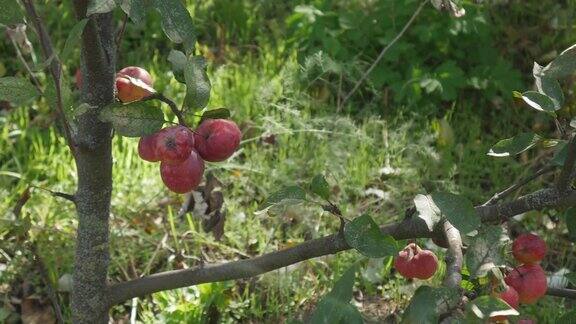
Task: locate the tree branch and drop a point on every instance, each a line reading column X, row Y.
column 55, row 67
column 565, row 176
column 503, row 194
column 409, row 228
column 562, row 292
column 454, row 257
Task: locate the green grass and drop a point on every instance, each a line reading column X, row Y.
column 266, row 93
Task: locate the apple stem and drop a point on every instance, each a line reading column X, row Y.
column 172, row 105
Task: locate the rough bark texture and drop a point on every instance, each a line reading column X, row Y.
column 94, row 165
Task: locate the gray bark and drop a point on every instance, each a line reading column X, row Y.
column 94, row 166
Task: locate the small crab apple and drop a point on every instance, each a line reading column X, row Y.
column 174, row 144
column 183, row 177
column 217, row 139
column 529, row 280
column 136, row 73
column 413, row 262
column 133, row 83
column 529, row 248
column 147, row 148
column 510, row 296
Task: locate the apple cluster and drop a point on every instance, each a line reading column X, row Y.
column 528, row 279
column 414, row 262
column 180, row 151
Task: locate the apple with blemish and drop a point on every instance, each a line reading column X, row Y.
column 414, row 262
column 174, row 144
column 133, row 83
column 529, row 280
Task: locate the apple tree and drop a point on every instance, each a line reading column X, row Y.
column 478, row 285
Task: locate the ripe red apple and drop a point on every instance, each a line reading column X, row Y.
column 413, row 262
column 529, row 280
column 147, row 148
column 217, row 139
column 174, row 144
column 183, row 177
column 136, row 73
column 529, row 248
column 133, row 83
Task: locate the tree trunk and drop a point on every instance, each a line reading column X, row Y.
column 93, row 155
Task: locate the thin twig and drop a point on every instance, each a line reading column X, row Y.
column 384, row 51
column 565, row 176
column 503, row 194
column 63, row 195
column 170, row 103
column 47, row 282
column 120, row 35
column 55, row 67
column 27, row 67
column 562, row 292
column 24, row 197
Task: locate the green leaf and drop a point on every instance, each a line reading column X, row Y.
column 135, row 9
column 320, row 186
column 427, row 210
column 570, row 215
column 73, row 39
column 176, row 23
column 485, row 307
column 560, row 154
column 100, row 6
column 514, row 145
column 286, row 195
column 540, row 102
column 458, row 210
column 17, row 90
column 335, row 306
column 197, row 83
column 178, row 61
column 10, row 13
column 135, row 119
column 426, row 304
column 364, row 235
column 564, row 65
column 548, row 86
column 220, row 113
column 485, row 251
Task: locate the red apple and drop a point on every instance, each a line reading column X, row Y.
column 147, row 148
column 217, row 139
column 529, row 248
column 413, row 262
column 174, row 144
column 183, row 177
column 133, row 83
column 136, row 73
column 529, row 280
